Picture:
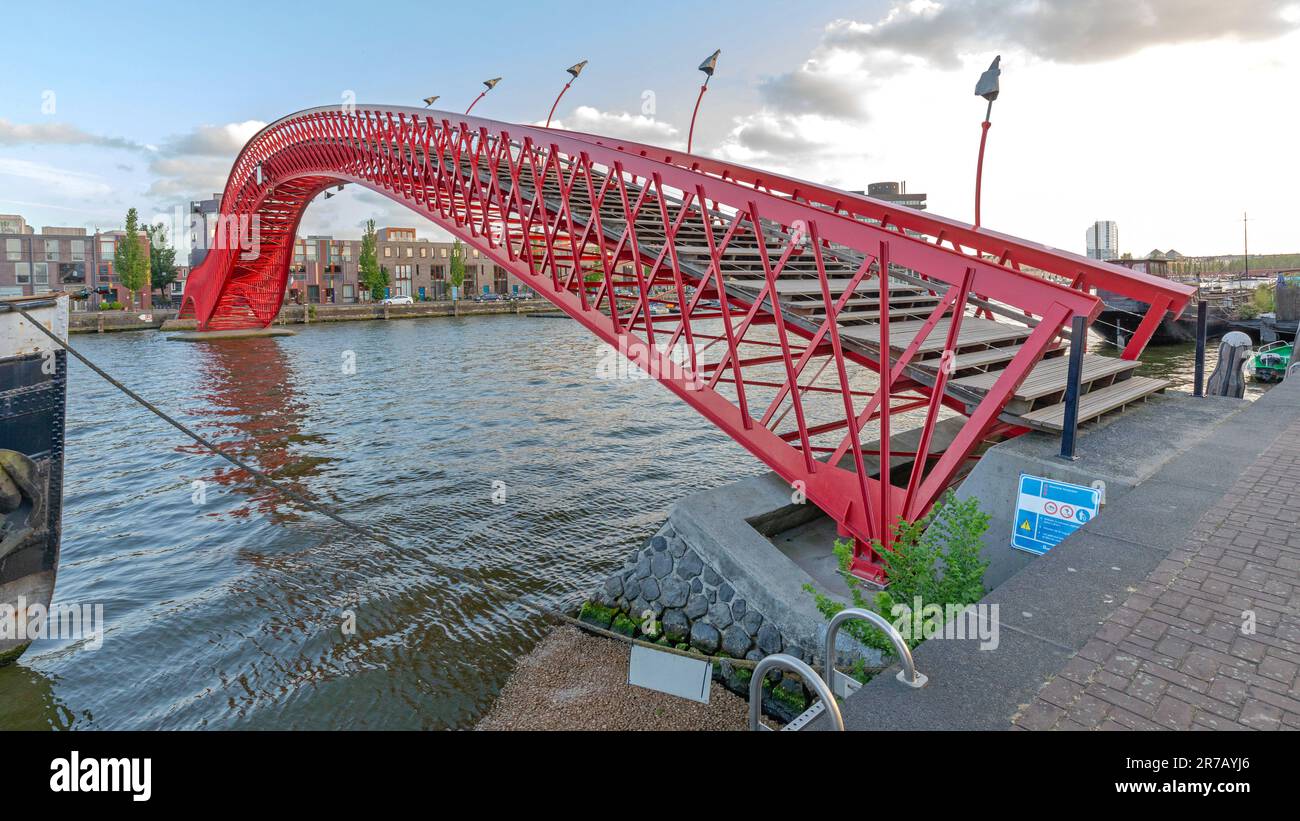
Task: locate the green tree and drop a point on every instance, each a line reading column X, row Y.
column 456, row 267
column 162, row 258
column 373, row 277
column 130, row 262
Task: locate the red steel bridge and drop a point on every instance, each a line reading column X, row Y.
column 865, row 352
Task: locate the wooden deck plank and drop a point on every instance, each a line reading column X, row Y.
column 1094, row 403
column 974, row 331
column 1049, row 376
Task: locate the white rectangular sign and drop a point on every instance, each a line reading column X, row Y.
column 669, row 673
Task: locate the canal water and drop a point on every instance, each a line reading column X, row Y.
column 488, row 443
column 225, row 609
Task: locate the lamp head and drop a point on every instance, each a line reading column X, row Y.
column 491, row 84
column 428, row 101
column 987, row 87
column 576, row 69
column 711, row 63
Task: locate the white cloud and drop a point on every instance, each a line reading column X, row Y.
column 636, row 127
column 1066, row 31
column 213, row 140
column 1111, row 109
column 195, row 164
column 55, row 180
column 52, row 133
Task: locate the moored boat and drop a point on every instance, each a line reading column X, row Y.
column 33, row 395
column 1270, row 362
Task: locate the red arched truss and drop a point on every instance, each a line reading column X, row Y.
column 756, row 298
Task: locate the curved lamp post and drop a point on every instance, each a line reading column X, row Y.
column 491, row 84
column 708, row 67
column 428, row 101
column 987, row 87
column 574, row 70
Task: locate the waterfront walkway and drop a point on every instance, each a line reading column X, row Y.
column 1177, row 607
column 1181, row 652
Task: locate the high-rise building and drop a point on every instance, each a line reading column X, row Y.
column 1103, row 240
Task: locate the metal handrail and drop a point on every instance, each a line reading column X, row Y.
column 808, row 674
column 908, row 675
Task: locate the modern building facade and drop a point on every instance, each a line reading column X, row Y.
column 62, row 258
column 323, row 270
column 1103, row 240
column 419, row 268
column 203, row 227
column 326, row 269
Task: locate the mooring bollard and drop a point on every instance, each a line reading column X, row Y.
column 1228, row 379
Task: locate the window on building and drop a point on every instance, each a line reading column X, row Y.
column 444, row 252
column 106, row 247
column 51, row 250
column 103, row 272
column 23, row 273
column 78, row 248
column 410, row 252
column 40, row 273
column 424, row 252
column 388, row 251
column 13, row 250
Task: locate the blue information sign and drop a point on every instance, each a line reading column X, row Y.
column 1047, row 511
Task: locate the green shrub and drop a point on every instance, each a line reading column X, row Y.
column 935, row 559
column 597, row 614
column 622, row 624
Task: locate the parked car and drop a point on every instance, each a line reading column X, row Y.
column 399, row 300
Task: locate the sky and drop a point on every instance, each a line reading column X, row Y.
column 1171, row 117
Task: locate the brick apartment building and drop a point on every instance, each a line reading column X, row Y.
column 61, row 258
column 326, row 269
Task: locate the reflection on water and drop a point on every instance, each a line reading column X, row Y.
column 228, row 613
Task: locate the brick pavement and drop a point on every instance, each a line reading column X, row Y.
column 1180, row 652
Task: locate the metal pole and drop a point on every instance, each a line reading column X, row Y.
column 1078, row 341
column 979, row 163
column 1202, row 313
column 690, row 134
column 556, row 103
column 1245, row 243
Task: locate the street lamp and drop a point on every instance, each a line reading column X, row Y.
column 708, row 67
column 491, row 84
column 428, row 101
column 575, row 70
column 987, row 87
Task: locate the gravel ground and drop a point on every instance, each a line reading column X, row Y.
column 576, row 681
